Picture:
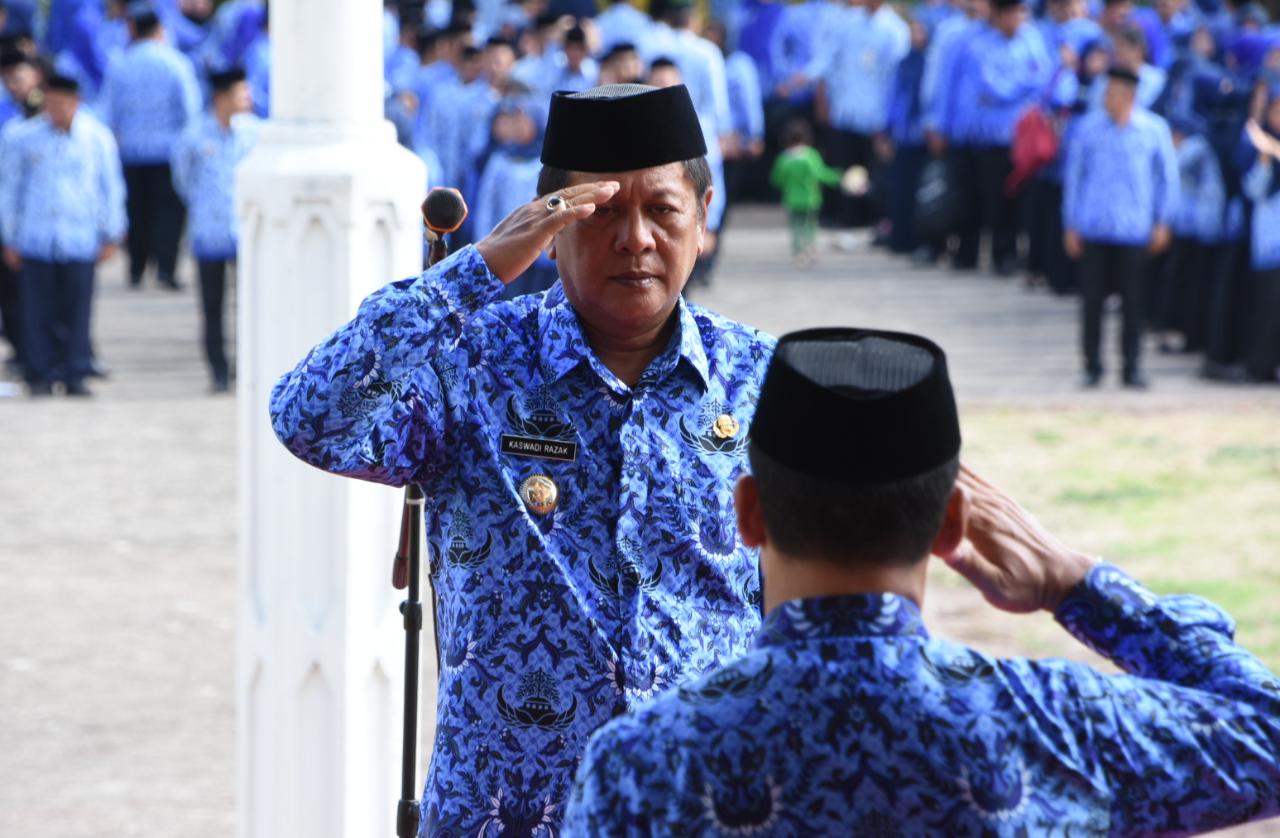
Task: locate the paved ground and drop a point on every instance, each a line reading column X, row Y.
column 117, row 523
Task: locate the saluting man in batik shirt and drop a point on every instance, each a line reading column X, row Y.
column 577, row 448
column 204, row 170
column 848, row 718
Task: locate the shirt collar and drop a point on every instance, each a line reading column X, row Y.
column 848, row 615
column 563, row 345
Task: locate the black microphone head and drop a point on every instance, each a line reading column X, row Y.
column 444, row 210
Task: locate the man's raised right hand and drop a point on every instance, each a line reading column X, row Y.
column 518, row 239
column 1016, row 563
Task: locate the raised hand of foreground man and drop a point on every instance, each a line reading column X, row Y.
column 1008, row 555
column 515, row 243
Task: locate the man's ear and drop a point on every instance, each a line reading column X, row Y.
column 706, row 209
column 746, row 500
column 955, row 524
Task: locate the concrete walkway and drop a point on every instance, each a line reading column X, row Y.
column 118, row 522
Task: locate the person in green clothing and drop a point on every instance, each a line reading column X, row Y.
column 799, row 173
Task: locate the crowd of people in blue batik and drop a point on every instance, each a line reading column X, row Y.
column 968, row 120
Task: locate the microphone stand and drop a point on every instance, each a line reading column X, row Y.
column 409, row 558
column 407, row 569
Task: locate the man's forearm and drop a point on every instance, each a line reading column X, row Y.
column 1183, row 640
column 365, row 402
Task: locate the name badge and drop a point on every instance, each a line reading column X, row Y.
column 545, row 449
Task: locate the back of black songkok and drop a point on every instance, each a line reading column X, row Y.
column 857, row 405
column 621, row 127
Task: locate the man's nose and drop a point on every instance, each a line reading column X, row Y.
column 634, row 234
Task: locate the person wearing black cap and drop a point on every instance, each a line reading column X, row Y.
column 61, row 211
column 848, row 718
column 149, row 96
column 577, row 449
column 204, row 163
column 574, row 68
column 1120, row 193
column 621, row 64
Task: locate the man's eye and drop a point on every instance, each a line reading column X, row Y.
column 604, row 212
column 663, row 209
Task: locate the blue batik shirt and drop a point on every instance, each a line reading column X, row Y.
column 550, row 624
column 204, row 172
column 848, row 718
column 1202, row 197
column 149, row 97
column 61, row 193
column 858, row 64
column 948, row 89
column 1261, row 187
column 1009, row 74
column 1119, row 181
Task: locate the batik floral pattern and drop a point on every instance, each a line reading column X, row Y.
column 848, row 718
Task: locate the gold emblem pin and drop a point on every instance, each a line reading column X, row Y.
column 725, row 426
column 539, row 493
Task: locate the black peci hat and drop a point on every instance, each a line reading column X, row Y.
column 858, row 406
column 621, row 127
column 1121, row 74
column 62, row 84
column 225, row 80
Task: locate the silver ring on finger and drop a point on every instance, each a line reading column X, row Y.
column 556, row 203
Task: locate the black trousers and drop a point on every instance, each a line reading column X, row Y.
column 1184, row 292
column 156, row 215
column 1262, row 359
column 11, row 309
column 1228, row 328
column 1107, row 269
column 904, row 179
column 1059, row 268
column 213, row 303
column 999, row 211
column 57, row 298
column 964, row 165
column 842, row 149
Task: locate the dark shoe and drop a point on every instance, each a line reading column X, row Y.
column 40, row 389
column 1091, row 380
column 1229, row 373
column 170, row 283
column 220, row 385
column 98, row 371
column 76, row 389
column 1136, row 381
column 135, row 282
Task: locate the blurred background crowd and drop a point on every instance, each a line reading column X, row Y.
column 946, row 127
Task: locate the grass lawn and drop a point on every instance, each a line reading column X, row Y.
column 1188, row 501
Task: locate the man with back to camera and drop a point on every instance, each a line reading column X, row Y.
column 577, row 449
column 848, row 718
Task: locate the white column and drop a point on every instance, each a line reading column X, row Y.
column 329, row 211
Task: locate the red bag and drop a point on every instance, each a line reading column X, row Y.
column 1035, row 145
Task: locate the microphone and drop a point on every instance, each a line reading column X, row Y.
column 444, row 210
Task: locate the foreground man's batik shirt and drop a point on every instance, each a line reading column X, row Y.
column 849, row 719
column 584, row 552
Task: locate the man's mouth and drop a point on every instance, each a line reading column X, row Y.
column 634, row 279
